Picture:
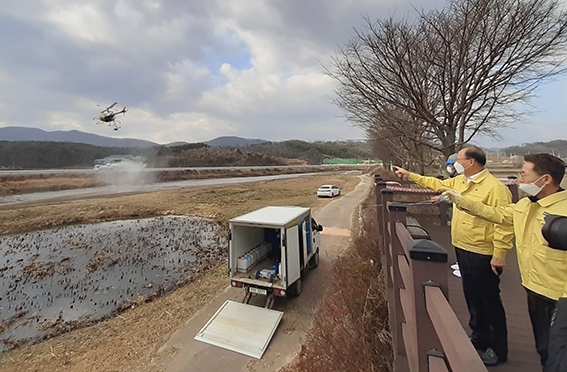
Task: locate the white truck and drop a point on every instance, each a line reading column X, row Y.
column 269, row 248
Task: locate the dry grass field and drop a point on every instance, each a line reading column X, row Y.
column 350, row 329
column 11, row 184
column 129, row 341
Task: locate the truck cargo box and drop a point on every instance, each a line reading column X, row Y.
column 270, row 247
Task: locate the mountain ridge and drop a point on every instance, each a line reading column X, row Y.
column 23, row 134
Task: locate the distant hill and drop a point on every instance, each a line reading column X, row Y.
column 53, row 155
column 233, row 142
column 239, row 153
column 176, row 144
column 314, row 152
column 224, row 157
column 556, row 147
column 492, row 149
column 74, row 136
column 35, row 148
column 19, row 134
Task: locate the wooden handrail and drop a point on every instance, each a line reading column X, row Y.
column 405, row 272
column 437, row 364
column 404, row 235
column 458, row 349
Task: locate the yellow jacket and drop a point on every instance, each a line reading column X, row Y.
column 469, row 232
column 543, row 269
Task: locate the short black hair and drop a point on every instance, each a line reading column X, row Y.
column 477, row 154
column 547, row 164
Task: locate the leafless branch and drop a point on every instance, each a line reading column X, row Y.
column 452, row 74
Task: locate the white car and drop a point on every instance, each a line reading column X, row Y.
column 328, row 190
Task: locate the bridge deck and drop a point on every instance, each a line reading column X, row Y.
column 522, row 355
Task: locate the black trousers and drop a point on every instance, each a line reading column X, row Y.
column 541, row 311
column 482, row 294
column 557, row 351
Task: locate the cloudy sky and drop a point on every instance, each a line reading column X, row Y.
column 195, row 70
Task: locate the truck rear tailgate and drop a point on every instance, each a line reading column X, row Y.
column 246, row 329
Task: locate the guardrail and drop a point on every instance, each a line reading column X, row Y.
column 426, row 332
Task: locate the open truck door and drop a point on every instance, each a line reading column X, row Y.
column 292, row 267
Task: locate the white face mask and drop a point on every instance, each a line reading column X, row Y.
column 531, row 188
column 459, row 168
column 450, row 169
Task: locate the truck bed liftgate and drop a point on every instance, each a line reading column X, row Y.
column 245, row 329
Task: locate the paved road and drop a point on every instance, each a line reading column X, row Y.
column 182, row 353
column 28, row 172
column 136, row 188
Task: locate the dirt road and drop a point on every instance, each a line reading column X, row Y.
column 182, row 353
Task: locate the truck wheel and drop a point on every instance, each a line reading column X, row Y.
column 314, row 261
column 295, row 289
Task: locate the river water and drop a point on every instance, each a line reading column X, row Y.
column 55, row 280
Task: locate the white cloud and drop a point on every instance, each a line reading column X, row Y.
column 85, row 22
column 184, row 80
column 187, row 71
column 175, row 127
column 62, row 120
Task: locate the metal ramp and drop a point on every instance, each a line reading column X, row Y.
column 242, row 328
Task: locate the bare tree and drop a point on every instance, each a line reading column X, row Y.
column 452, row 73
column 392, row 147
column 394, row 151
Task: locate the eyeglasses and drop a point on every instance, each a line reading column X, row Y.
column 521, row 175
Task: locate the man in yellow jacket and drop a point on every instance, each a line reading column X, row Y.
column 481, row 249
column 543, row 270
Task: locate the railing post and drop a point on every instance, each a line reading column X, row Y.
column 427, row 260
column 514, row 190
column 443, row 213
column 379, row 185
column 397, row 213
column 386, row 196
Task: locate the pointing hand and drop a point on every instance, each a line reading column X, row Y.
column 401, row 172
